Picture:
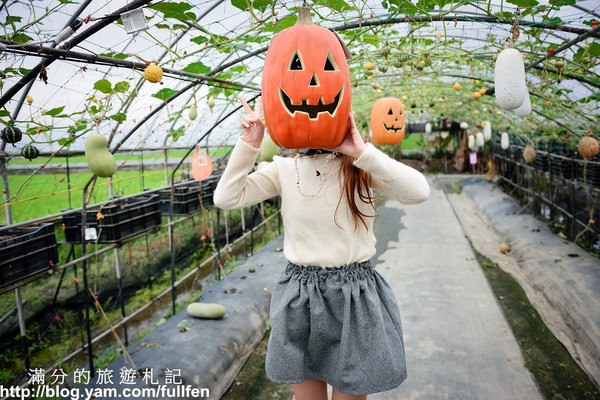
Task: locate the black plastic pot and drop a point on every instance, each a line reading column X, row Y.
column 120, row 218
column 26, row 251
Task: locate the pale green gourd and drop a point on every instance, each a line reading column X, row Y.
column 206, row 310
column 99, row 159
column 268, row 149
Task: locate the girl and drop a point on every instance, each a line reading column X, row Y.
column 334, row 319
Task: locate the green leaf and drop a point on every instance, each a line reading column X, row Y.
column 594, row 49
column 55, row 111
column 260, row 5
column 523, row 3
column 280, row 25
column 119, row 117
column 401, row 6
column 561, row 3
column 66, row 141
column 337, row 5
column 122, row 87
column 175, row 10
column 21, row 38
column 164, row 94
column 177, row 133
column 4, row 113
column 199, row 39
column 197, row 68
column 113, row 54
column 553, row 21
column 11, row 19
column 104, row 86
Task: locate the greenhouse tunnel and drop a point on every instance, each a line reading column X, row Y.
column 118, row 118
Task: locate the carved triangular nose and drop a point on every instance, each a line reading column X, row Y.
column 313, row 81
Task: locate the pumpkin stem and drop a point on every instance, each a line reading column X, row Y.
column 304, row 16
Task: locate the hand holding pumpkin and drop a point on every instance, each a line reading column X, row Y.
column 353, row 144
column 253, row 127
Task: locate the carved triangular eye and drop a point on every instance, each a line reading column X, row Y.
column 330, row 64
column 390, row 112
column 296, row 63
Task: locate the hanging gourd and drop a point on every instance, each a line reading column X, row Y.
column 202, row 166
column 30, row 152
column 211, row 101
column 464, row 125
column 487, row 131
column 29, row 99
column 11, row 134
column 153, row 73
column 388, row 117
column 588, row 147
column 504, row 141
column 479, row 140
column 444, row 134
column 456, row 86
column 509, row 78
column 268, row 149
column 306, row 86
column 428, row 128
column 369, row 66
column 524, row 109
column 476, row 95
column 529, row 154
column 99, row 159
column 193, row 113
column 471, row 142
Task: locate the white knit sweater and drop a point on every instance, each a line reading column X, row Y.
column 312, row 237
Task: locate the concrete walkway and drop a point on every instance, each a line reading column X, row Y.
column 458, row 343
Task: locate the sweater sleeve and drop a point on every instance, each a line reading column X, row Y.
column 393, row 178
column 237, row 189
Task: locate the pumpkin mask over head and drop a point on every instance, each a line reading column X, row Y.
column 388, row 116
column 306, row 87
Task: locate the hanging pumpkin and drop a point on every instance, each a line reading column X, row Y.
column 471, row 142
column 428, row 128
column 29, row 99
column 524, row 109
column 588, row 147
column 268, row 149
column 509, row 78
column 456, row 86
column 306, row 86
column 99, row 159
column 193, row 113
column 476, row 95
column 202, row 166
column 479, row 139
column 487, row 131
column 504, row 142
column 11, row 134
column 387, row 121
column 464, row 125
column 153, row 73
column 30, row 152
column 529, row 154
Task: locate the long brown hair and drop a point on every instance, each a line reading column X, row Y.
column 355, row 181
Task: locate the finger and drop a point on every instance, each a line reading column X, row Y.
column 259, row 105
column 245, row 104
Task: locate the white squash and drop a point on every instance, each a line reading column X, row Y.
column 487, row 131
column 464, row 125
column 509, row 79
column 525, row 108
column 193, row 114
column 444, row 134
column 504, row 142
column 479, row 139
column 471, row 142
column 428, row 128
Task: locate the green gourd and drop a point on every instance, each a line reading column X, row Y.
column 99, row 159
column 11, row 134
column 30, row 152
column 268, row 149
column 206, row 310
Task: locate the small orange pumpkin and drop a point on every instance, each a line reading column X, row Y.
column 387, row 121
column 202, row 166
column 588, row 147
column 306, row 87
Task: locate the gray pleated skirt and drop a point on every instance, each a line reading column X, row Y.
column 337, row 324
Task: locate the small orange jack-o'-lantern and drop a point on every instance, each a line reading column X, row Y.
column 387, row 121
column 306, row 87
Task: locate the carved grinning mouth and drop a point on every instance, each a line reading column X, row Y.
column 392, row 128
column 312, row 110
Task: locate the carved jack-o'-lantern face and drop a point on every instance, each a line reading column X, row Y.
column 306, row 88
column 387, row 121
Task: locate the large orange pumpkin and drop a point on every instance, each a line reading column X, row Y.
column 387, row 121
column 306, row 87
